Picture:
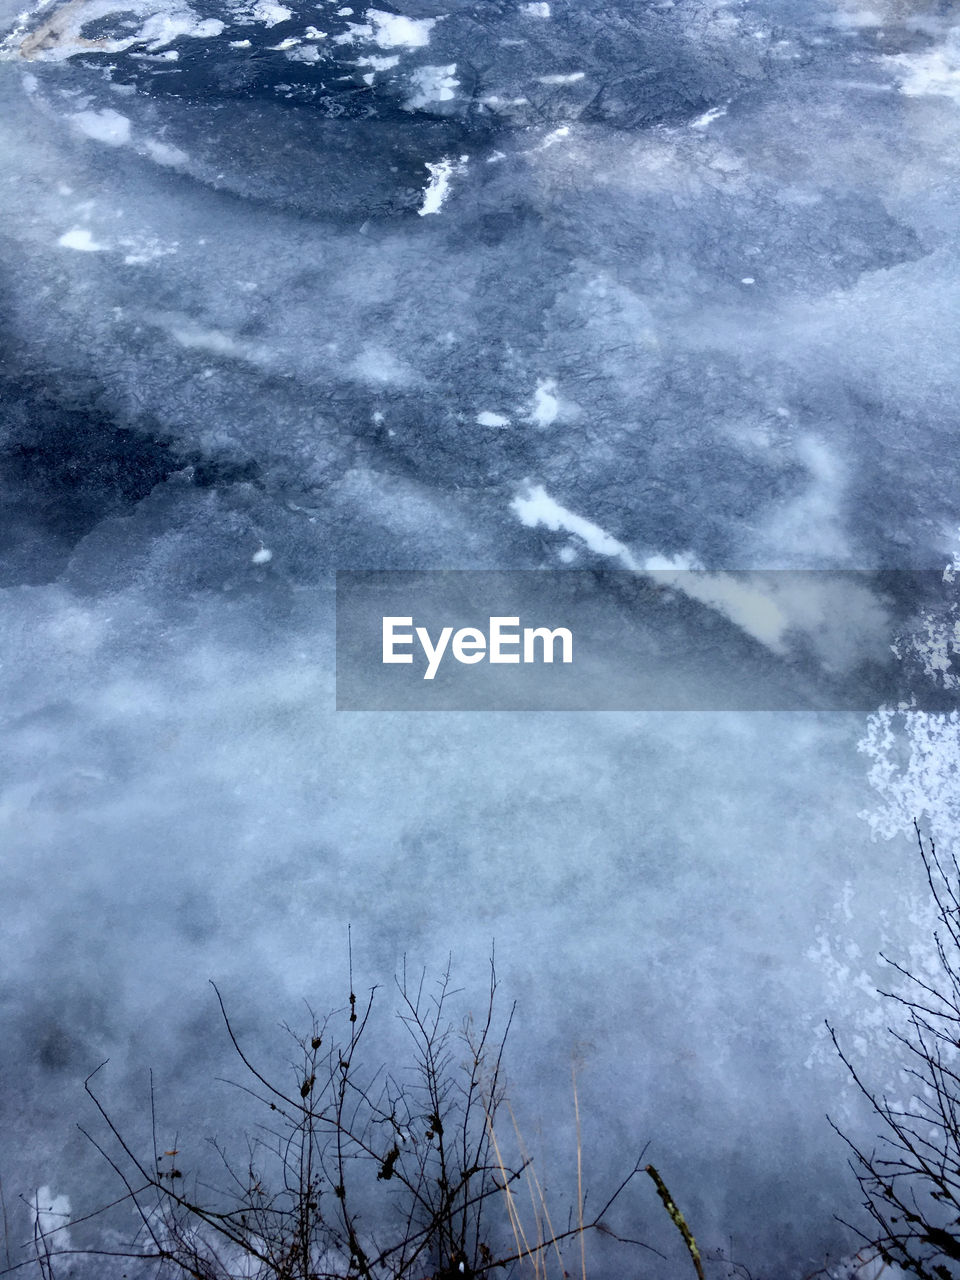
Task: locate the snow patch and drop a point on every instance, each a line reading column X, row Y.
column 432, row 84
column 747, row 600
column 569, row 78
column 164, row 153
column 553, row 138
column 52, row 1214
column 494, row 101
column 545, row 403
column 162, row 28
column 537, row 507
column 197, row 337
column 103, row 126
column 708, row 117
column 270, row 14
column 438, row 188
column 933, row 72
column 378, row 62
column 392, row 30
column 80, row 238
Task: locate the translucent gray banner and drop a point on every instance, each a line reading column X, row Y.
column 657, row 640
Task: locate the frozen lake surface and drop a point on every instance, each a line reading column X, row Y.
column 287, row 288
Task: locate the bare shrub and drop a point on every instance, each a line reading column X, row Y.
column 911, row 1181
column 352, row 1173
